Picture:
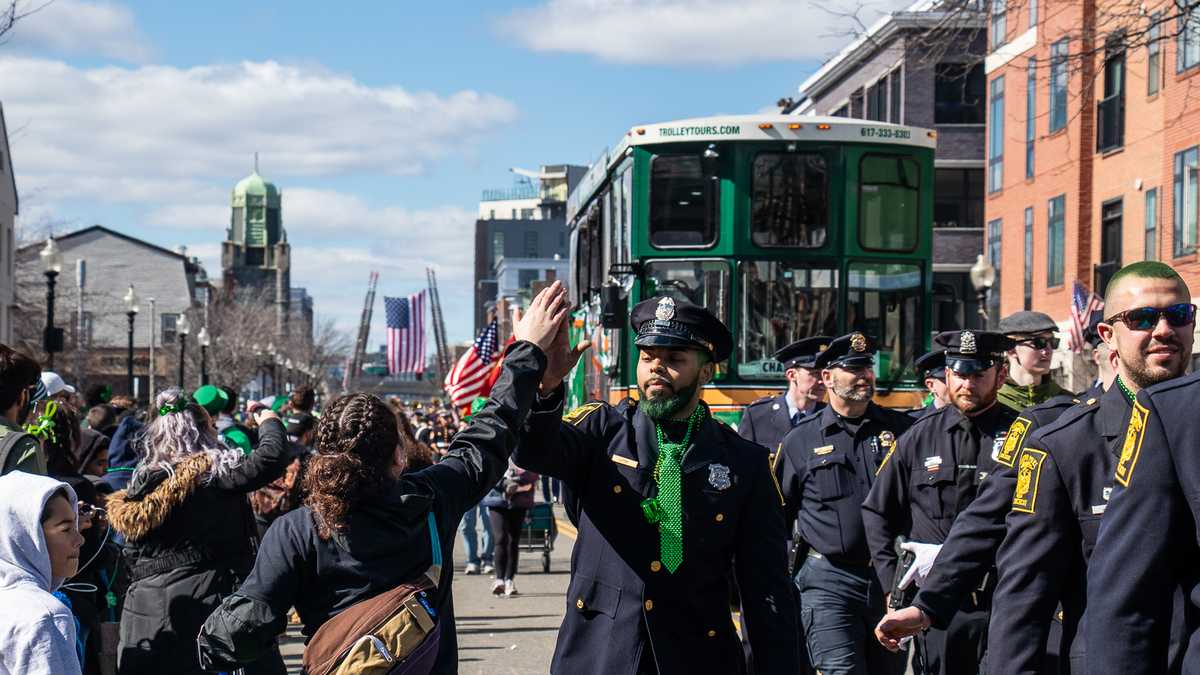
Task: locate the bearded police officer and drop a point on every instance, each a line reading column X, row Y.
column 769, row 419
column 825, row 468
column 669, row 504
column 934, row 474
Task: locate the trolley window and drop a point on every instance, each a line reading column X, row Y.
column 700, row 282
column 884, row 301
column 888, row 202
column 683, row 202
column 782, row 302
column 790, row 200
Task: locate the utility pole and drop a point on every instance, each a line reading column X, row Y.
column 439, row 326
column 364, row 330
column 153, row 337
column 81, row 336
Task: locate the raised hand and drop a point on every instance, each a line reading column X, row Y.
column 561, row 357
column 542, row 321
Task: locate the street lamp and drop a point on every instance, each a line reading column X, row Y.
column 183, row 327
column 983, row 275
column 52, row 338
column 258, row 365
column 276, row 362
column 202, row 338
column 288, row 364
column 131, row 311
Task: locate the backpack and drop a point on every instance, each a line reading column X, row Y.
column 277, row 497
column 9, row 438
column 394, row 633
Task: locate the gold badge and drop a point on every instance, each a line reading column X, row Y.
column 1029, row 473
column 823, row 450
column 966, row 343
column 1133, row 444
column 577, row 415
column 665, row 310
column 1012, row 442
column 887, row 439
column 858, row 342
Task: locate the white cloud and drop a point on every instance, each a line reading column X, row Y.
column 79, row 27
column 711, row 32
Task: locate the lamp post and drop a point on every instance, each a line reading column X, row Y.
column 262, row 375
column 182, row 327
column 276, row 367
column 203, row 339
column 52, row 340
column 288, row 364
column 983, row 275
column 131, row 311
column 269, row 364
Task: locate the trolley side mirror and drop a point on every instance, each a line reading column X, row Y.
column 613, row 306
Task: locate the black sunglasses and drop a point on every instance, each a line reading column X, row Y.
column 1146, row 318
column 1041, row 342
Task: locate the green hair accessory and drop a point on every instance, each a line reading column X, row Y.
column 179, row 405
column 43, row 427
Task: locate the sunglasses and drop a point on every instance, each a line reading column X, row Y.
column 1146, row 318
column 1041, row 342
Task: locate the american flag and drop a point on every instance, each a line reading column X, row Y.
column 1083, row 304
column 468, row 378
column 405, row 334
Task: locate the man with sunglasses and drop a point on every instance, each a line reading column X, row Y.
column 1029, row 382
column 1065, row 474
column 20, row 387
column 1147, row 546
column 931, row 477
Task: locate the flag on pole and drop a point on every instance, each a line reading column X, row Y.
column 469, row 377
column 405, row 334
column 1083, row 304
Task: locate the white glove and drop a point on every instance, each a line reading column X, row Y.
column 925, row 555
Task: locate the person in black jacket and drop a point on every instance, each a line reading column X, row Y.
column 364, row 529
column 189, row 532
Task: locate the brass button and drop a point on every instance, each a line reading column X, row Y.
column 712, row 633
column 616, row 489
column 579, row 603
column 655, row 566
column 720, row 517
column 649, row 605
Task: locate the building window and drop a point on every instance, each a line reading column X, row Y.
column 958, row 93
column 491, row 214
column 1184, row 226
column 856, row 104
column 1110, row 111
column 1028, row 258
column 894, row 98
column 1154, row 55
column 497, row 247
column 843, row 111
column 877, row 101
column 525, row 279
column 526, row 214
column 168, row 321
column 531, row 244
column 1187, row 40
column 1151, row 247
column 1030, row 114
column 1055, row 256
column 958, row 198
column 996, row 136
column 993, row 252
column 1033, row 13
column 999, row 23
column 1059, row 53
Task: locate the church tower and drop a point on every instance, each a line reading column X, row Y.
column 255, row 253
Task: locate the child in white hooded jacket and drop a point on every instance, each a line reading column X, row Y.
column 39, row 550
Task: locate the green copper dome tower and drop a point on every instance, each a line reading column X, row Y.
column 255, row 256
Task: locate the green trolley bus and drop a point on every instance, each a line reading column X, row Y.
column 783, row 226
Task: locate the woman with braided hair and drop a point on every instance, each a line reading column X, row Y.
column 189, row 532
column 364, row 527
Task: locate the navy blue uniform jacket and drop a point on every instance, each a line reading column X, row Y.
column 766, row 421
column 621, row 600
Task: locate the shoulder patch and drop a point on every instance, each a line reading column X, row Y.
column 1013, row 441
column 1133, row 444
column 579, row 414
column 1029, row 474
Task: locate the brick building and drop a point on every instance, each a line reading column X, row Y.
column 1094, row 123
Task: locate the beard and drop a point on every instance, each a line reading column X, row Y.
column 970, row 404
column 851, row 392
column 667, row 404
column 1145, row 375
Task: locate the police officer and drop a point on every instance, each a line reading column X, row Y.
column 1029, row 382
column 825, row 469
column 1065, row 474
column 932, row 367
column 769, row 419
column 932, row 476
column 669, row 504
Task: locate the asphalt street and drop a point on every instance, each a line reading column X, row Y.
column 498, row 635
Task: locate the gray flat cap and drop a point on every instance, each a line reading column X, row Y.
column 1027, row 323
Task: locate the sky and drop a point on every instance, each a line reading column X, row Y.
column 380, row 122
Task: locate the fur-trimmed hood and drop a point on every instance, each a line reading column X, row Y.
column 135, row 515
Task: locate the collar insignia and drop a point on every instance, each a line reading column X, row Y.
column 665, row 310
column 858, row 342
column 718, row 476
column 966, row 343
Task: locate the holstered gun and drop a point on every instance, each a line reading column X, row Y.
column 798, row 550
column 904, row 560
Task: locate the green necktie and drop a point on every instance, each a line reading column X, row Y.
column 668, row 473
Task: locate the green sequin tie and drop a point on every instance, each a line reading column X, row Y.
column 668, row 473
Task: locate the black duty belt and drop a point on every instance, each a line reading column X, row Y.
column 839, row 560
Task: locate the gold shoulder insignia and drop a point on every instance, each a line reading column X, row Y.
column 579, row 414
column 891, row 451
column 1133, row 443
column 774, row 478
column 1013, row 441
column 1029, row 474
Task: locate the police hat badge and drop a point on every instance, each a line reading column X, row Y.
column 718, row 476
column 966, row 343
column 665, row 310
column 858, row 342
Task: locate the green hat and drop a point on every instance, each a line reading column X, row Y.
column 278, row 403
column 211, row 398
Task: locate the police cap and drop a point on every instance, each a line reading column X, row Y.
column 969, row 351
column 663, row 321
column 1027, row 323
column 849, row 351
column 803, row 353
column 932, row 364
